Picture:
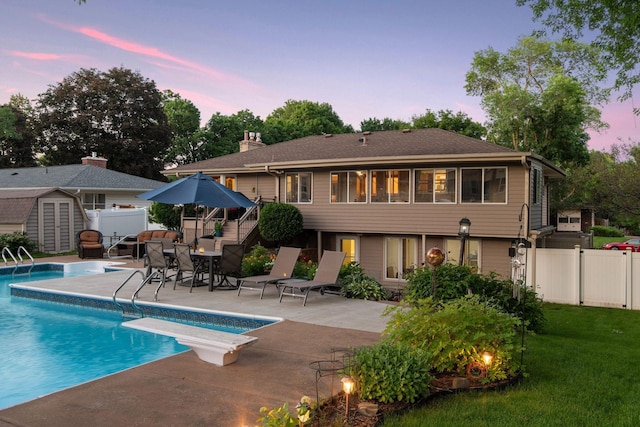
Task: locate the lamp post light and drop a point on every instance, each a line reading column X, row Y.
column 463, row 232
column 434, row 258
column 347, row 385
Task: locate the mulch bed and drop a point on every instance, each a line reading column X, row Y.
column 333, row 412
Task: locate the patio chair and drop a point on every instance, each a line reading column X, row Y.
column 282, row 269
column 157, row 264
column 326, row 276
column 89, row 244
column 186, row 264
column 230, row 265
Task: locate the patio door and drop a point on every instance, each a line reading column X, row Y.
column 55, row 225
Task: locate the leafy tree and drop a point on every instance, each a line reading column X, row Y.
column 184, row 120
column 166, row 214
column 539, row 96
column 117, row 114
column 297, row 119
column 280, row 222
column 377, row 125
column 616, row 25
column 16, row 139
column 445, row 119
column 222, row 133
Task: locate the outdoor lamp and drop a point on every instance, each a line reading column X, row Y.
column 463, row 232
column 347, row 385
column 465, row 225
column 487, row 358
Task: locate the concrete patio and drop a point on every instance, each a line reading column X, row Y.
column 183, row 390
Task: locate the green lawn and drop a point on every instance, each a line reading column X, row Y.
column 582, row 371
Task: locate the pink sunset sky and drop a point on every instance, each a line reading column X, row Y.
column 366, row 58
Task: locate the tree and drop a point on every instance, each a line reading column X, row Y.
column 184, row 119
column 445, row 119
column 373, row 124
column 222, row 134
column 297, row 119
column 280, row 222
column 539, row 96
column 16, row 139
column 117, row 114
column 616, row 25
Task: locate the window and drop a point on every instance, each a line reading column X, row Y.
column 390, row 186
column 537, row 186
column 484, row 185
column 298, row 187
column 471, row 252
column 401, row 257
column 350, row 246
column 349, row 187
column 93, row 201
column 435, row 186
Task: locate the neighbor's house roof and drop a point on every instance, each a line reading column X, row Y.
column 72, row 177
column 16, row 205
column 368, row 148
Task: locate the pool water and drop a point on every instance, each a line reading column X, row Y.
column 48, row 347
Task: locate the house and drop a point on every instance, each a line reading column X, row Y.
column 95, row 185
column 50, row 216
column 52, row 203
column 386, row 198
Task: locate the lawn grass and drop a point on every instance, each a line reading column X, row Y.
column 581, row 371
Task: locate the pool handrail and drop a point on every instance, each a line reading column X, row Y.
column 133, row 273
column 20, row 249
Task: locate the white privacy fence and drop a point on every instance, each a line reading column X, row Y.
column 587, row 277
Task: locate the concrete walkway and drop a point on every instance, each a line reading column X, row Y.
column 182, row 390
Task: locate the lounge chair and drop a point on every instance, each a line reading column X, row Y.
column 326, row 276
column 282, row 269
column 89, row 244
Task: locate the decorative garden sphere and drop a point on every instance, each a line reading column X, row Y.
column 435, row 257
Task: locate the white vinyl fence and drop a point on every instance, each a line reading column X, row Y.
column 589, row 277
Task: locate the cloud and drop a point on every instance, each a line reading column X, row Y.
column 41, row 56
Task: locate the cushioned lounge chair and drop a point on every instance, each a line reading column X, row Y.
column 282, row 269
column 89, row 244
column 326, row 276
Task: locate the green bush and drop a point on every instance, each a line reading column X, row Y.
column 453, row 281
column 456, row 333
column 305, row 269
column 280, row 222
column 602, row 231
column 356, row 284
column 256, row 262
column 16, row 239
column 388, row 372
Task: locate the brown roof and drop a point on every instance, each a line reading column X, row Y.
column 15, row 205
column 354, row 148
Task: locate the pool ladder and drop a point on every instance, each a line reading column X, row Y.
column 145, row 279
column 21, row 250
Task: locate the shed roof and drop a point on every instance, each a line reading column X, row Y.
column 16, row 205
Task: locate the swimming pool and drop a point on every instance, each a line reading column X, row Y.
column 51, row 344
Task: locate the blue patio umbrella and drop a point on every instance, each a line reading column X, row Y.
column 199, row 189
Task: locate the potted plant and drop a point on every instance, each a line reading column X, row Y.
column 218, row 228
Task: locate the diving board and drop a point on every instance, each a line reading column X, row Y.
column 217, row 347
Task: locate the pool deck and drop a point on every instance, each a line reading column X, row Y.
column 183, row 390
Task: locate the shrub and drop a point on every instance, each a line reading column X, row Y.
column 456, row 333
column 391, row 372
column 256, row 262
column 280, row 222
column 16, row 239
column 454, row 281
column 602, row 231
column 356, row 284
column 305, row 269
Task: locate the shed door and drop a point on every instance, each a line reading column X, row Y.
column 55, row 217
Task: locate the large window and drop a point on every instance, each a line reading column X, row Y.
column 92, row 201
column 298, row 187
column 390, row 186
column 484, row 185
column 471, row 252
column 349, row 187
column 350, row 246
column 401, row 257
column 435, row 186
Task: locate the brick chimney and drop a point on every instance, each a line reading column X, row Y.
column 251, row 141
column 94, row 160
